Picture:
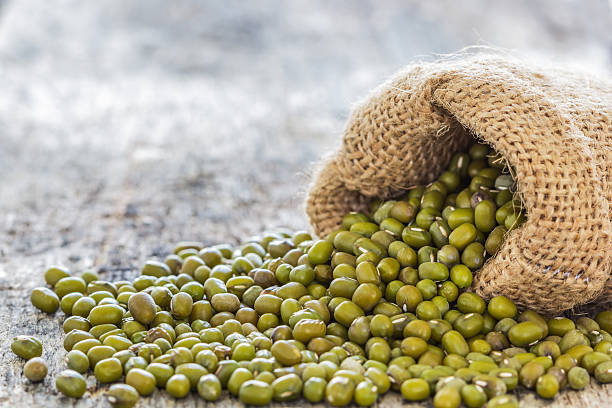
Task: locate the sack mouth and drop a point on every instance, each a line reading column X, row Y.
column 406, row 130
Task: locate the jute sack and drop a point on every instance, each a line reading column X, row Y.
column 553, row 126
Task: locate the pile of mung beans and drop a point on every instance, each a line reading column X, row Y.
column 380, row 305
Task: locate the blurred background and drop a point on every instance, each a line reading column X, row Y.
column 128, row 125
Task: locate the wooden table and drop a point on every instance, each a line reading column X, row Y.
column 125, row 128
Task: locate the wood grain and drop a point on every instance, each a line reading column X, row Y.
column 127, row 127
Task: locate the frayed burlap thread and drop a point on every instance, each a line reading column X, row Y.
column 553, row 126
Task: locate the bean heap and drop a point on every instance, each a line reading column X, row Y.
column 377, row 306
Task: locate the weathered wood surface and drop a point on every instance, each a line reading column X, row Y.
column 127, row 127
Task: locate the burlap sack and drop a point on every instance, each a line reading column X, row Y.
column 553, row 126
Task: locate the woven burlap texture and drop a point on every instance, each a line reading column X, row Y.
column 553, row 126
